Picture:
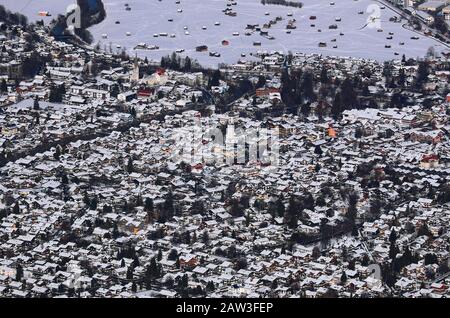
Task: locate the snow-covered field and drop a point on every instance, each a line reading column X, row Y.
column 31, row 8
column 148, row 17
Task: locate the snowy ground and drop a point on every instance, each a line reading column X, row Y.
column 147, row 17
column 31, row 8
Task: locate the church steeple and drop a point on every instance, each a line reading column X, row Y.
column 135, row 73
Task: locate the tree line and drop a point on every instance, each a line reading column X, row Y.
column 295, row 4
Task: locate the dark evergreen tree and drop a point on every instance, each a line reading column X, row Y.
column 307, row 87
column 393, row 236
column 3, row 86
column 236, row 209
column 343, row 277
column 130, row 167
column 352, row 210
column 16, row 208
column 422, row 73
column 130, row 273
column 336, row 108
column 348, row 94
column 215, row 78
column 57, row 153
column 324, row 76
column 149, row 205
column 318, row 150
column 19, row 272
column 402, row 77
column 36, row 104
column 173, row 255
column 292, row 212
column 393, row 251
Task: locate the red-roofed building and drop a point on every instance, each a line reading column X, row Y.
column 266, row 91
column 429, row 161
column 160, row 71
column 145, row 92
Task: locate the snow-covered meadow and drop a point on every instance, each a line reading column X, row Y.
column 148, row 17
column 185, row 21
column 31, row 8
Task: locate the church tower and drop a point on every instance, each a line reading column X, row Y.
column 135, row 73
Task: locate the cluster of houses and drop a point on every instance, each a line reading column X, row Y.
column 425, row 10
column 65, row 243
column 100, row 197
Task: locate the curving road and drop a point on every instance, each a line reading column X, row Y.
column 407, row 16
